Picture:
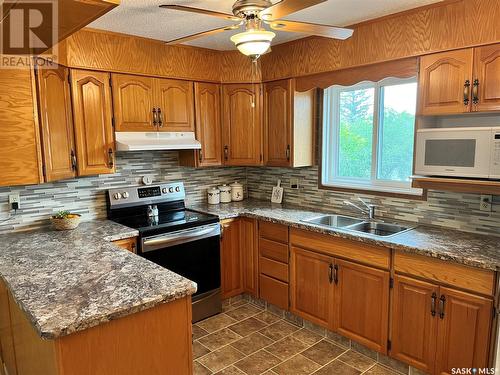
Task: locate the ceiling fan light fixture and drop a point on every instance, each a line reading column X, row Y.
column 253, row 43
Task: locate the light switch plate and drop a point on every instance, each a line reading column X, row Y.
column 486, row 202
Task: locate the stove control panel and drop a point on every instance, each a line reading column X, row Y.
column 140, row 195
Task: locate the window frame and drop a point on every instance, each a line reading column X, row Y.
column 328, row 177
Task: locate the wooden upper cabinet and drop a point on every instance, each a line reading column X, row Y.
column 463, row 332
column 175, row 105
column 445, row 84
column 311, row 286
column 56, row 123
column 241, row 124
column 414, row 322
column 486, row 83
column 133, row 99
column 362, row 302
column 289, row 119
column 93, row 125
column 20, row 156
column 208, row 123
column 231, row 261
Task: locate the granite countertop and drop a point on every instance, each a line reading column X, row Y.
column 73, row 280
column 474, row 250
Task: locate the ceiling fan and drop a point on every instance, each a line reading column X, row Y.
column 253, row 14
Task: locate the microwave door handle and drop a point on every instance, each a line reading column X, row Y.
column 176, row 238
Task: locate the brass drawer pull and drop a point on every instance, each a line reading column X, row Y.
column 466, row 92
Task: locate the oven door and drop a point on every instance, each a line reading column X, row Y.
column 458, row 152
column 193, row 253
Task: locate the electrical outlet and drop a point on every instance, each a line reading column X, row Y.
column 294, row 183
column 486, row 202
column 14, row 201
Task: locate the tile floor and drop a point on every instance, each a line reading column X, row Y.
column 247, row 339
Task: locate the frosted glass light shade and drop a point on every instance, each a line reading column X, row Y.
column 253, row 42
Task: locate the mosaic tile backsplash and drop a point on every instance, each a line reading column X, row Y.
column 87, row 195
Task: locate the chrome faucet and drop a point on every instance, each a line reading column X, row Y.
column 369, row 210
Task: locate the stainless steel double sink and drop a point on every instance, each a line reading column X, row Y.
column 374, row 228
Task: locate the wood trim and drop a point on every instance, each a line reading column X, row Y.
column 461, row 185
column 446, row 273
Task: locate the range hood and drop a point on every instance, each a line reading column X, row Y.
column 140, row 141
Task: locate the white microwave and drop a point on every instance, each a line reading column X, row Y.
column 458, row 152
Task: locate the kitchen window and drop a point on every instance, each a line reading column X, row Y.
column 368, row 136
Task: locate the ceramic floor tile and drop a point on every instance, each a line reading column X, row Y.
column 247, row 326
column 244, row 312
column 257, row 363
column 198, row 332
column 199, row 350
column 267, row 317
column 234, row 305
column 221, row 358
column 252, row 343
column 231, row 370
column 308, row 337
column 380, row 370
column 279, row 330
column 357, row 360
column 216, row 322
column 219, row 339
column 298, row 365
column 199, row 369
column 337, row 368
column 323, row 352
column 287, row 347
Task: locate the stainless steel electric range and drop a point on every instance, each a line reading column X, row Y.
column 182, row 240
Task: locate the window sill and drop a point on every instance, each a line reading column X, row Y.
column 386, row 191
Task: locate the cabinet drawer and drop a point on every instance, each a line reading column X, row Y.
column 340, row 247
column 273, row 250
column 274, row 269
column 275, row 232
column 457, row 275
column 274, row 291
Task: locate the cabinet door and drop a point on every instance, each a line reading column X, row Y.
column 56, row 123
column 445, row 83
column 278, row 109
column 249, row 253
column 208, row 124
column 93, row 127
column 414, row 322
column 20, row 158
column 311, row 288
column 133, row 103
column 231, row 262
column 176, row 105
column 241, row 125
column 463, row 331
column 486, row 85
column 362, row 304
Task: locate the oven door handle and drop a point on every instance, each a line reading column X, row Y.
column 179, row 237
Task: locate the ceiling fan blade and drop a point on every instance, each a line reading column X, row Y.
column 203, row 33
column 207, row 12
column 285, row 7
column 311, row 28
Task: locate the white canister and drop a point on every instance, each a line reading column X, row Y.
column 225, row 193
column 213, row 196
column 236, row 192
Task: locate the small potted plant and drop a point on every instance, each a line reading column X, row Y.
column 64, row 220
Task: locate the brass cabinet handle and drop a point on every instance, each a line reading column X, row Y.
column 336, row 274
column 200, row 155
column 110, row 158
column 160, row 118
column 73, row 160
column 475, row 91
column 226, row 152
column 288, row 152
column 466, row 92
column 442, row 301
column 155, row 117
column 330, row 273
column 433, row 304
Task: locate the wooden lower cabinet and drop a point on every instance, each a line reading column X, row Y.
column 129, row 244
column 249, row 254
column 436, row 329
column 362, row 304
column 311, row 288
column 231, row 260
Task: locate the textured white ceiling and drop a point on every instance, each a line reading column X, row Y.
column 144, row 18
